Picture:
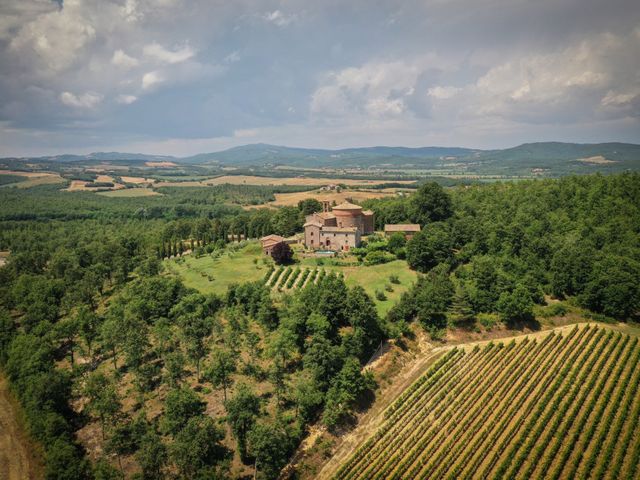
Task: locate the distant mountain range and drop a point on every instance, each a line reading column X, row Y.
column 553, row 158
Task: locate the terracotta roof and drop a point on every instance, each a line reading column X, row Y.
column 402, row 227
column 347, row 206
column 340, row 229
column 367, row 212
column 312, row 224
column 269, row 239
column 325, row 215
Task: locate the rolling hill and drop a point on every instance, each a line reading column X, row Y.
column 543, row 158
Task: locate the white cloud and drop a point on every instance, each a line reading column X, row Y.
column 158, row 52
column 150, row 79
column 126, row 99
column 86, row 100
column 123, row 60
column 378, row 89
column 56, row 38
column 279, row 18
column 442, row 93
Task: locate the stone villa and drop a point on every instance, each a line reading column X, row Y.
column 339, row 228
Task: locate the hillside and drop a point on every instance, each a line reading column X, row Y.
column 542, row 159
column 564, row 405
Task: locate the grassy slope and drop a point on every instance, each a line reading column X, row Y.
column 231, row 267
column 375, row 278
column 239, row 267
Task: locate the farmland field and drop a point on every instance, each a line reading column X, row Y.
column 560, row 405
column 130, row 192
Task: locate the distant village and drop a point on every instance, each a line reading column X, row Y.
column 337, row 229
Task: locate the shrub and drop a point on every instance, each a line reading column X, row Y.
column 378, row 257
column 488, row 320
column 380, row 295
column 394, row 279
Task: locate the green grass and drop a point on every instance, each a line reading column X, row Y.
column 214, row 275
column 375, row 278
column 130, row 192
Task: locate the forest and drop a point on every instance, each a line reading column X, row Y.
column 97, row 340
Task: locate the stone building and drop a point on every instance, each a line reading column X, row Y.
column 407, row 229
column 338, row 229
column 269, row 242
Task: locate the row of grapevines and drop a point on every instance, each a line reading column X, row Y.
column 506, row 425
column 543, row 422
column 572, row 409
column 515, row 374
column 614, row 407
column 456, row 406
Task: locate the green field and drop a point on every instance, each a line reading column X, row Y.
column 214, row 275
column 10, row 179
column 130, row 192
column 375, row 278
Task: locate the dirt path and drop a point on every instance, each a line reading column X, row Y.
column 17, row 461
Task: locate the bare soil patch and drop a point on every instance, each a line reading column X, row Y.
column 160, row 164
column 137, row 180
column 597, row 160
column 303, row 180
column 18, row 458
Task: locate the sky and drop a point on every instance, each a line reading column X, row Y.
column 180, row 77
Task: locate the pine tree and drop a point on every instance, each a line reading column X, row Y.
column 461, row 309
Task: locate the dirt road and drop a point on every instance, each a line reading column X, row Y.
column 17, row 461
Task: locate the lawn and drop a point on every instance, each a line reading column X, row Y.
column 375, row 278
column 214, row 275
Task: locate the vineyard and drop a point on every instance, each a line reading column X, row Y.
column 565, row 405
column 289, row 278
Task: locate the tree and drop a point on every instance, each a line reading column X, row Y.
column 430, row 204
column 281, row 253
column 174, row 365
column 192, row 316
column 433, row 295
column 306, row 394
column 282, row 344
column 309, row 206
column 460, row 308
column 152, row 456
column 103, row 400
column 270, row 444
column 242, row 411
column 286, row 221
column 363, row 317
column 429, row 247
column 7, row 333
column 322, row 360
column 181, row 405
column 222, row 367
column 88, row 327
column 197, row 446
column 64, row 461
column 396, row 242
column 614, row 288
column 516, row 305
column 345, row 390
